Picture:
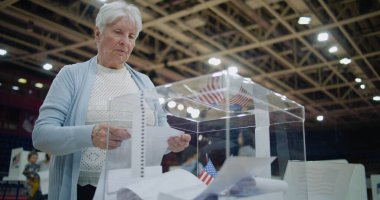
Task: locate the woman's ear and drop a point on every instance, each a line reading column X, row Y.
column 97, row 34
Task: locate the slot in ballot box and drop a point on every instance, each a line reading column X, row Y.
column 225, row 114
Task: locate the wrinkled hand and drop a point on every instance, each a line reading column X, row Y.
column 178, row 143
column 116, row 136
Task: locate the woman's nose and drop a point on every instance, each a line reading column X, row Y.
column 126, row 42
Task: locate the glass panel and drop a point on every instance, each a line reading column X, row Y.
column 225, row 114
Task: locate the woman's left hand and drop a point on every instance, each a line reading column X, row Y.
column 179, row 143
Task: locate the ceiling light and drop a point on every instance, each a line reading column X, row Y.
column 358, row 80
column 362, row 86
column 15, row 87
column 189, row 109
column 180, row 107
column 214, row 61
column 172, row 104
column 38, row 85
column 233, row 70
column 195, row 113
column 47, row 66
column 333, row 49
column 200, row 137
column 22, row 80
column 376, row 98
column 323, row 36
column 304, row 20
column 320, row 118
column 345, row 61
column 3, row 52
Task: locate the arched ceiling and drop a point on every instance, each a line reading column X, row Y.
column 261, row 37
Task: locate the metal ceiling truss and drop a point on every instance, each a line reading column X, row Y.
column 261, row 37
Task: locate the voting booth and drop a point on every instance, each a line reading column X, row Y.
column 229, row 117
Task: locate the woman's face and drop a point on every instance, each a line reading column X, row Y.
column 115, row 43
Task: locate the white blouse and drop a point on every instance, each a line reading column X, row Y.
column 109, row 83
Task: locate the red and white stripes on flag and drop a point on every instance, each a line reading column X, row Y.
column 208, row 173
column 242, row 98
column 213, row 93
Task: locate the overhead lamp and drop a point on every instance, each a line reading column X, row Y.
column 38, row 85
column 233, row 70
column 15, row 87
column 214, row 61
column 195, row 113
column 323, row 36
column 172, row 104
column 358, row 80
column 320, row 118
column 200, row 137
column 362, row 86
column 180, row 107
column 304, row 20
column 333, row 49
column 3, row 52
column 376, row 98
column 345, row 61
column 189, row 109
column 47, row 66
column 22, row 80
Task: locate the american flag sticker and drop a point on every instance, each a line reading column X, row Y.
column 208, row 173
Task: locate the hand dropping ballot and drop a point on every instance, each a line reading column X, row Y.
column 236, row 178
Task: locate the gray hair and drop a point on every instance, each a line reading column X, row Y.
column 109, row 12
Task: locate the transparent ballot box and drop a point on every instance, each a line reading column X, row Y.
column 228, row 117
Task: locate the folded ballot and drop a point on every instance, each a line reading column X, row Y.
column 237, row 177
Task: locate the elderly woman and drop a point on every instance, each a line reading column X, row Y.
column 77, row 99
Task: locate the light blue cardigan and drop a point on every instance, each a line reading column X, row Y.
column 60, row 128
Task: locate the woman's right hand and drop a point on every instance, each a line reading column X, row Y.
column 116, row 136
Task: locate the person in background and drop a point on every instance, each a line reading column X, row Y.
column 44, row 164
column 246, row 143
column 72, row 124
column 190, row 161
column 32, row 178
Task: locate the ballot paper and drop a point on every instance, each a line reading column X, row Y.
column 117, row 172
column 180, row 184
